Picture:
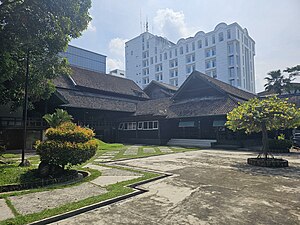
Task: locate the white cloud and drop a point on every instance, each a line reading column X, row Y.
column 117, row 47
column 116, row 58
column 171, row 24
column 114, row 64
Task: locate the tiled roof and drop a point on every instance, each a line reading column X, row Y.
column 202, row 107
column 163, row 85
column 79, row 99
column 100, row 82
column 220, row 85
column 155, row 107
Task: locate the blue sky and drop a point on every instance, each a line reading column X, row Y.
column 273, row 24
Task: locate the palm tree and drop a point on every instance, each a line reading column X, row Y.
column 60, row 116
column 275, row 82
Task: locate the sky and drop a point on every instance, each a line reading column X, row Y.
column 273, row 24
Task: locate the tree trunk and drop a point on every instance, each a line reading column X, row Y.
column 265, row 140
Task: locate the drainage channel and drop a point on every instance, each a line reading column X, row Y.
column 134, row 186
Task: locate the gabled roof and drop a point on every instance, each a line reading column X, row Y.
column 79, row 99
column 81, row 78
column 218, row 85
column 162, row 85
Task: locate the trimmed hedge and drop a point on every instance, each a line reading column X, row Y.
column 276, row 145
column 67, row 144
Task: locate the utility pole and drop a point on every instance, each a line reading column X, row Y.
column 23, row 163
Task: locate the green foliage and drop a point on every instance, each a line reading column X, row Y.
column 70, row 132
column 36, row 31
column 274, row 112
column 279, row 145
column 281, row 137
column 66, row 153
column 278, row 82
column 67, row 144
column 60, row 116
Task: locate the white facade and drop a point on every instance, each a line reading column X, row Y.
column 226, row 53
column 118, row 73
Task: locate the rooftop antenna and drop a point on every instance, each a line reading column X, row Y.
column 141, row 26
column 147, row 25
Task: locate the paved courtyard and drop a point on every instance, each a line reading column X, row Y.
column 208, row 187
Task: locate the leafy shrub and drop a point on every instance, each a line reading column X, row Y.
column 281, row 145
column 70, row 132
column 66, row 153
column 68, row 144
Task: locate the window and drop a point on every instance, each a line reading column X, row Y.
column 221, row 36
column 147, row 44
column 175, row 51
column 238, row 34
column 170, row 54
column 131, row 53
column 155, row 59
column 207, row 64
column 213, row 51
column 165, row 55
column 148, row 125
column 190, row 58
column 200, row 44
column 173, row 73
column 181, row 50
column 230, row 48
column 193, row 46
column 213, row 39
column 206, row 42
column 158, row 76
column 173, row 63
column 231, row 72
column 151, row 60
column 121, row 126
column 155, row 50
column 140, row 125
column 213, row 63
column 190, row 68
column 187, row 48
column 231, row 60
column 127, row 126
column 231, row 82
column 228, row 34
column 207, row 53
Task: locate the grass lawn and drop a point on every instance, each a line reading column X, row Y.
column 141, row 153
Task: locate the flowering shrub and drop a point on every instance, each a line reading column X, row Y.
column 68, row 144
column 70, row 132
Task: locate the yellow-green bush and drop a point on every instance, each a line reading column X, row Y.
column 68, row 144
column 70, row 132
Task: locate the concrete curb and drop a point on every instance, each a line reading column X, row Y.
column 84, row 209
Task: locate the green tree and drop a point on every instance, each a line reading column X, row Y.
column 279, row 82
column 37, row 30
column 262, row 116
column 60, row 116
column 275, row 82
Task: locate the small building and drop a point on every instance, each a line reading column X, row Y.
column 118, row 73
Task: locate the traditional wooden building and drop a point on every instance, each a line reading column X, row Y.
column 196, row 111
column 119, row 111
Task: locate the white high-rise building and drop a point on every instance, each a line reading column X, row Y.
column 226, row 53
